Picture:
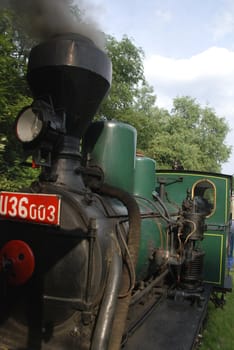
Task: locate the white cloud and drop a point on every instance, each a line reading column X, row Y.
column 214, row 62
column 208, row 77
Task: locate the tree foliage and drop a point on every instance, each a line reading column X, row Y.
column 127, row 75
column 14, row 94
column 192, row 134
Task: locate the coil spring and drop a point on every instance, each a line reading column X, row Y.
column 193, row 268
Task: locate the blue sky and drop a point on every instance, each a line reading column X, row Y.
column 188, row 46
column 178, row 28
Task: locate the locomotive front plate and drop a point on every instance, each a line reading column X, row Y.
column 38, row 208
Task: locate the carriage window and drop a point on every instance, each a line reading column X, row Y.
column 204, row 194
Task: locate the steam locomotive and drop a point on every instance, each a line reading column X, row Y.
column 102, row 252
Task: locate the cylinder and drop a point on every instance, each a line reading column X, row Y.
column 144, row 177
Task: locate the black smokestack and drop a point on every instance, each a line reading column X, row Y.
column 72, row 73
column 42, row 19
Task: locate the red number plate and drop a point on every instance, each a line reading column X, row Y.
column 38, row 208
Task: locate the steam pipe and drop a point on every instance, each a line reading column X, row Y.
column 146, row 290
column 108, row 306
column 133, row 246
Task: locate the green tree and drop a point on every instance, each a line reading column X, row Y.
column 127, row 77
column 14, row 94
column 193, row 135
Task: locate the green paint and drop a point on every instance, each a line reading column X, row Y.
column 144, row 177
column 111, row 146
column 213, row 261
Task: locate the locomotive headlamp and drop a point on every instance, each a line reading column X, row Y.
column 28, row 125
column 37, row 123
column 39, row 127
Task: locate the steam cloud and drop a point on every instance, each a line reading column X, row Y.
column 43, row 18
